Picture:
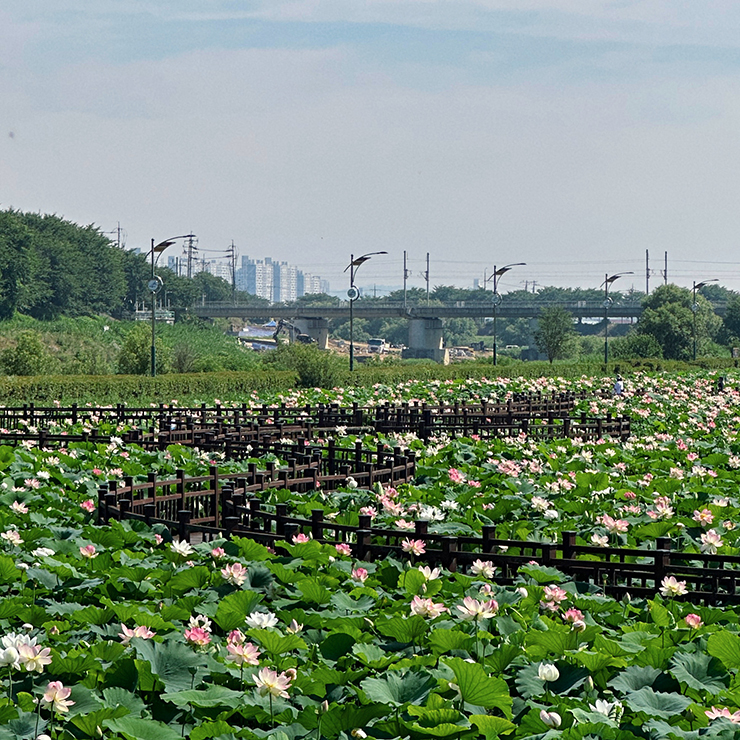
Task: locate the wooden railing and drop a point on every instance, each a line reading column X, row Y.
column 224, row 505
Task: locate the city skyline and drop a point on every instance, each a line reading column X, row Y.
column 568, row 134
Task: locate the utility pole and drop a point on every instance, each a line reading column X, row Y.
column 426, row 276
column 231, row 252
column 191, row 249
column 647, row 272
column 405, row 278
column 665, row 271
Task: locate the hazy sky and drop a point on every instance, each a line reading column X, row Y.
column 568, row 134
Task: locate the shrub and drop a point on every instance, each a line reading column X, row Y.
column 28, row 357
column 316, row 368
column 135, row 357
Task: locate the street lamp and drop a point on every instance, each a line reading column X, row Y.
column 496, row 300
column 608, row 280
column 353, row 294
column 155, row 285
column 695, row 305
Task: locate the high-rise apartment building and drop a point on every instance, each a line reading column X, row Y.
column 276, row 281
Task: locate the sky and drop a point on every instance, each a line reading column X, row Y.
column 572, row 135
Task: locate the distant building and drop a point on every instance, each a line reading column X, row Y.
column 285, row 283
column 276, row 281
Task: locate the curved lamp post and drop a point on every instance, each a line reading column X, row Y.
column 155, row 285
column 496, row 300
column 353, row 294
column 608, row 280
column 695, row 305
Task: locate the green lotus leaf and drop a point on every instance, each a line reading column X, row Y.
column 404, row 630
column 234, row 608
column 397, row 688
column 135, row 728
column 634, row 678
column 725, row 646
column 657, row 704
column 479, row 689
column 699, row 671
column 171, row 662
column 212, row 696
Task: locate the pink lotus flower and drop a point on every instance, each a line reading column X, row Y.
column 19, row 508
column 88, row 505
column 710, row 542
column 89, row 552
column 703, row 517
column 572, row 615
column 198, row 636
column 456, row 476
column 614, row 526
column 343, row 548
column 694, row 621
column 426, row 608
column 34, row 658
column 235, row 573
column 473, row 609
column 670, row 587
column 555, row 593
column 57, row 697
column 483, row 568
column 217, row 553
column 300, row 538
column 715, row 713
column 403, row 524
column 370, row 511
column 243, row 653
column 359, row 574
column 415, row 547
column 140, row 631
column 269, row 682
column 236, row 637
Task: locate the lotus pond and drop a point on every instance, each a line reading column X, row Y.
column 121, row 632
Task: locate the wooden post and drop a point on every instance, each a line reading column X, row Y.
column 317, row 528
column 449, row 545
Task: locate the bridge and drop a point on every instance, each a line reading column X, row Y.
column 375, row 310
column 425, row 321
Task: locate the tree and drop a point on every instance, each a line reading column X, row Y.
column 554, row 332
column 135, row 357
column 28, row 357
column 668, row 317
column 635, row 346
column 732, row 317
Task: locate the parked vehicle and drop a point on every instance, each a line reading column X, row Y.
column 376, row 345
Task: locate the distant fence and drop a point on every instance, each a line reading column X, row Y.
column 218, row 505
column 537, row 415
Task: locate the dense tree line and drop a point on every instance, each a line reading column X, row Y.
column 50, row 267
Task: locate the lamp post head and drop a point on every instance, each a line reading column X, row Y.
column 705, row 282
column 362, row 259
column 159, row 248
column 506, row 268
column 611, row 278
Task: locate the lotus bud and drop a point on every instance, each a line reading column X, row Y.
column 548, row 672
column 551, row 719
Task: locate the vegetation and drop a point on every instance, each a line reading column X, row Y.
column 65, row 290
column 554, row 332
column 116, row 630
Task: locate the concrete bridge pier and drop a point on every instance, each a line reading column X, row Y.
column 316, row 328
column 426, row 342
